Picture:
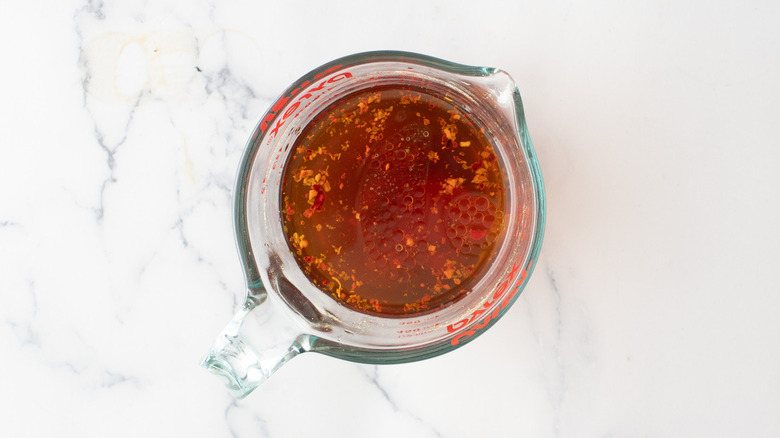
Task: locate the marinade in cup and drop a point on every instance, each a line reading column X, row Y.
column 392, row 201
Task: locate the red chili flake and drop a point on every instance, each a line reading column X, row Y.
column 477, row 233
column 319, row 199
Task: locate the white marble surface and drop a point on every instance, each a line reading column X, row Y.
column 654, row 310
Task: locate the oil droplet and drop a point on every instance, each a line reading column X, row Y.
column 451, row 232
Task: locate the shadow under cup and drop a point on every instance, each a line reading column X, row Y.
column 284, row 314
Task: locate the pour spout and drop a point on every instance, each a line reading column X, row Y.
column 256, row 342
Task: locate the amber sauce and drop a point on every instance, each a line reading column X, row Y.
column 392, row 201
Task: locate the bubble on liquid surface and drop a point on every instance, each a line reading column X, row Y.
column 472, row 223
column 397, row 190
column 451, row 233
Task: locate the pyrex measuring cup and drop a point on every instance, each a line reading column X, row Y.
column 284, row 314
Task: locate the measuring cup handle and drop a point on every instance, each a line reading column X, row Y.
column 257, row 341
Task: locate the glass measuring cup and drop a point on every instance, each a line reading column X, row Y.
column 284, row 314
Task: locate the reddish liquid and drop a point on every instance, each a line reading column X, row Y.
column 392, row 201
